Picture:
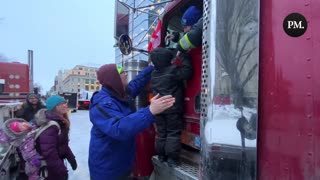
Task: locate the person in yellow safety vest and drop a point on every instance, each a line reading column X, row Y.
column 192, row 26
column 192, row 23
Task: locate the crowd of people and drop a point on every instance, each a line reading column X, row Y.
column 115, row 124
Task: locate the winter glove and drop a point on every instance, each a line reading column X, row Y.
column 176, row 36
column 43, row 172
column 73, row 163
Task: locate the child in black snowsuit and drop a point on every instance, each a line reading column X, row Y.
column 168, row 79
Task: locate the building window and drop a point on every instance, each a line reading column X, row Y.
column 92, row 81
column 97, row 88
column 80, row 68
column 87, row 81
column 87, row 88
column 92, row 87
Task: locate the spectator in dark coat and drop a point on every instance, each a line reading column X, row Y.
column 53, row 143
column 168, row 79
column 27, row 112
column 30, row 107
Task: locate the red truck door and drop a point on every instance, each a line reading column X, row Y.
column 289, row 93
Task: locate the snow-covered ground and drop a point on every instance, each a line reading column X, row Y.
column 221, row 126
column 79, row 143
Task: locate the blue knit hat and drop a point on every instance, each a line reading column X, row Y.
column 191, row 16
column 53, row 101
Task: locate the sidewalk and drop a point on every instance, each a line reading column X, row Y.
column 79, row 143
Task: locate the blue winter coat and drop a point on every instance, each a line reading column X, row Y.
column 112, row 144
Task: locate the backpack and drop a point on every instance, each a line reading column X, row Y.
column 26, row 144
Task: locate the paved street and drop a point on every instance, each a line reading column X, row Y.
column 79, row 142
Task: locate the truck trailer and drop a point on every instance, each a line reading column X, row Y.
column 14, row 82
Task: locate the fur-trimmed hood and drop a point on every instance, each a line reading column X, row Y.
column 40, row 117
column 9, row 132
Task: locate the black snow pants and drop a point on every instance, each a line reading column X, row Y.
column 168, row 141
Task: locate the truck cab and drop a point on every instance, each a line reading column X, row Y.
column 256, row 94
column 84, row 99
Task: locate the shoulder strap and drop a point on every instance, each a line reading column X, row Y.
column 46, row 126
column 105, row 114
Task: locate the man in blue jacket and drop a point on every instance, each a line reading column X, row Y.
column 112, row 144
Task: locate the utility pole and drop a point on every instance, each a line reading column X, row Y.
column 30, row 63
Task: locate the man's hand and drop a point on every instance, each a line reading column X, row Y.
column 159, row 104
column 178, row 53
column 169, row 37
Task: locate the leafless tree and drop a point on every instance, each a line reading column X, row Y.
column 237, row 30
column 37, row 88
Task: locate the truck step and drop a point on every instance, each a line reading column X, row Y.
column 185, row 171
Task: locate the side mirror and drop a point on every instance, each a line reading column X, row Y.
column 125, row 44
column 248, row 128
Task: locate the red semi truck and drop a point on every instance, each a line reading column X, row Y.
column 252, row 107
column 14, row 87
column 14, row 80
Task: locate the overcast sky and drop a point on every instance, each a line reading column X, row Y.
column 62, row 34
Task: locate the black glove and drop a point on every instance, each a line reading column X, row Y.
column 43, row 172
column 66, row 177
column 176, row 36
column 73, row 163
